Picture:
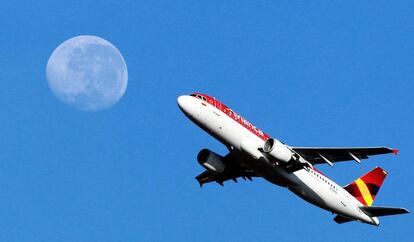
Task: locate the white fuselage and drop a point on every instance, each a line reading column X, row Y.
column 307, row 183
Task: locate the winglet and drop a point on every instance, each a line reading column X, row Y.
column 395, row 151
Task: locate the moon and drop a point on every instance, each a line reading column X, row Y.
column 87, row 73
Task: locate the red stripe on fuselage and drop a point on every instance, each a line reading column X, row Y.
column 233, row 115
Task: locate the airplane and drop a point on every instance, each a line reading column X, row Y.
column 253, row 153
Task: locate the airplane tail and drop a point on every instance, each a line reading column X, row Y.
column 365, row 188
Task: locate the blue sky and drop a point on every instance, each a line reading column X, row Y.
column 311, row 74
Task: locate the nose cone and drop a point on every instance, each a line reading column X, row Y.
column 180, row 101
column 188, row 106
column 184, row 103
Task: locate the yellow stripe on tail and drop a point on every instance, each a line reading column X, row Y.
column 364, row 191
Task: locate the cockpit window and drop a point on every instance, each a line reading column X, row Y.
column 199, row 96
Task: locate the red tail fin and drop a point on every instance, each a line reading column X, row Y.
column 366, row 187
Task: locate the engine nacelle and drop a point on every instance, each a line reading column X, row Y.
column 250, row 147
column 276, row 150
column 211, row 161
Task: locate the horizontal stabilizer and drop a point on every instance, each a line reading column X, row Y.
column 340, row 220
column 382, row 211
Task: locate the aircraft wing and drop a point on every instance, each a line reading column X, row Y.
column 233, row 171
column 207, row 176
column 319, row 155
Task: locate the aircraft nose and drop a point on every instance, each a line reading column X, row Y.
column 188, row 106
column 180, row 101
column 183, row 103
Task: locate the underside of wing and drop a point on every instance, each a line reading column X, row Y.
column 233, row 170
column 319, row 155
column 207, row 177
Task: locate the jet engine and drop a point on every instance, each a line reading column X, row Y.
column 211, row 161
column 276, row 150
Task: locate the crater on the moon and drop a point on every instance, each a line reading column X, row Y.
column 87, row 73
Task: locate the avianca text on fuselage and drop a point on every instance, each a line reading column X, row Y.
column 247, row 124
column 253, row 153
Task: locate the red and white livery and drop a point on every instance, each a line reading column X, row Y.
column 253, row 153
